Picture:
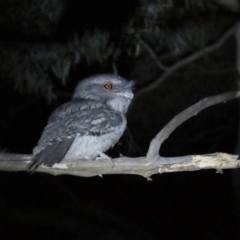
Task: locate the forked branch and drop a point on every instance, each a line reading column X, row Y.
column 144, row 166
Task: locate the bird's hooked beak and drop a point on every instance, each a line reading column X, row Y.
column 126, row 94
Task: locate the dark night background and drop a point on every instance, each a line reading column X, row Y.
column 47, row 47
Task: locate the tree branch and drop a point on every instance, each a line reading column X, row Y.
column 144, row 166
column 157, row 141
column 183, row 62
column 139, row 166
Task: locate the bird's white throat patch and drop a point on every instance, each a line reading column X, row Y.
column 119, row 104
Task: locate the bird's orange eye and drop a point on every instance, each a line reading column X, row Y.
column 108, row 86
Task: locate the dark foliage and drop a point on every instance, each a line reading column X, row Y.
column 47, row 47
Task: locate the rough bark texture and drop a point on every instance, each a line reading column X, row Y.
column 139, row 166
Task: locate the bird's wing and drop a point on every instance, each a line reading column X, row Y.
column 72, row 107
column 66, row 123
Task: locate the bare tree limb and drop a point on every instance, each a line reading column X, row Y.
column 139, row 166
column 157, row 141
column 144, row 166
column 185, row 61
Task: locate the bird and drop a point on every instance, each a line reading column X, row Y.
column 88, row 125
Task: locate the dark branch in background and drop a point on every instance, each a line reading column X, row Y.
column 170, row 70
column 167, row 71
column 153, row 55
column 145, row 166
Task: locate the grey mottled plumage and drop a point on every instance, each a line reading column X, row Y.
column 91, row 123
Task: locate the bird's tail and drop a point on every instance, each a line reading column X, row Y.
column 51, row 154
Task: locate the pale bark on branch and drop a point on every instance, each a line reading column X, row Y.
column 145, row 166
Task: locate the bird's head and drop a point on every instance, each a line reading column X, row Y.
column 113, row 90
